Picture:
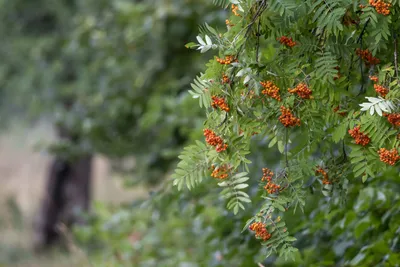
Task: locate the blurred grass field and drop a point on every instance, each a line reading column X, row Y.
column 22, row 179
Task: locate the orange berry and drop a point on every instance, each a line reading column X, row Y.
column 359, row 137
column 270, row 89
column 287, row 118
column 367, row 57
column 383, row 91
column 287, row 41
column 214, row 140
column 219, row 102
column 389, row 157
column 302, row 91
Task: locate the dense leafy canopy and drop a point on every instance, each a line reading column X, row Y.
column 295, row 73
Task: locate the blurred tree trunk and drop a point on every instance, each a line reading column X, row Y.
column 67, row 194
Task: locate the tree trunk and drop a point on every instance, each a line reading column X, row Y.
column 67, row 195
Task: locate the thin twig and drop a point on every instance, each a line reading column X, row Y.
column 286, row 148
column 395, row 58
column 363, row 31
column 258, row 40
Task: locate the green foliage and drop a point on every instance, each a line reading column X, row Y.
column 123, row 65
column 325, row 58
column 126, row 66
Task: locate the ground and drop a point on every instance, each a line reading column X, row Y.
column 22, row 176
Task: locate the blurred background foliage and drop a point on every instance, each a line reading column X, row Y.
column 124, row 67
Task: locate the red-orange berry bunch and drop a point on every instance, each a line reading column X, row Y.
column 226, row 61
column 389, row 156
column 366, row 55
column 325, row 177
column 267, row 174
column 225, row 79
column 287, row 41
column 214, row 140
column 219, row 102
column 374, row 78
column 302, row 91
column 261, row 231
column 382, row 90
column 359, row 137
column 271, row 90
column 393, row 118
column 381, row 6
column 270, row 187
column 235, row 9
column 220, row 172
column 287, row 118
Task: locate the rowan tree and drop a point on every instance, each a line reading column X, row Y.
column 319, row 80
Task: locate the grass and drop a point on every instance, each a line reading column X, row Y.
column 22, row 179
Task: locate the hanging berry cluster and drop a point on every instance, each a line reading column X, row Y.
column 359, row 137
column 271, row 90
column 381, row 6
column 287, row 118
column 287, row 41
column 214, row 140
column 325, row 177
column 260, row 230
column 220, row 172
column 226, row 61
column 374, row 78
column 219, row 102
column 389, row 156
column 235, row 9
column 270, row 187
column 367, row 57
column 302, row 91
column 393, row 118
column 381, row 90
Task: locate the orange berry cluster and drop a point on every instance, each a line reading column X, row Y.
column 325, row 176
column 267, row 174
column 219, row 102
column 393, row 118
column 214, row 140
column 220, row 172
column 360, row 138
column 270, row 187
column 302, row 91
column 287, row 41
column 374, row 78
column 225, row 79
column 228, row 60
column 389, row 156
column 287, row 118
column 366, row 55
column 261, row 230
column 380, row 89
column 271, row 90
column 381, row 6
column 235, row 9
